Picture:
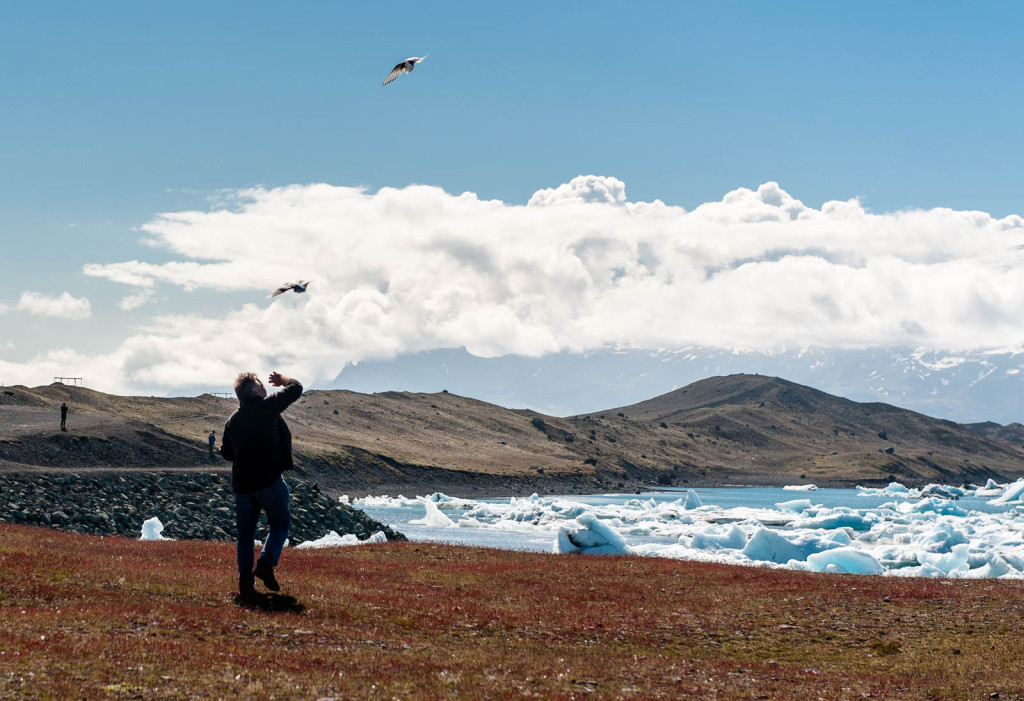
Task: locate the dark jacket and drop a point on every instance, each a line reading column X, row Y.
column 257, row 441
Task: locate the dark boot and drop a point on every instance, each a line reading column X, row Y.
column 247, row 589
column 265, row 573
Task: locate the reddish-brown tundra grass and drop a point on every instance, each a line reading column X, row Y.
column 88, row 617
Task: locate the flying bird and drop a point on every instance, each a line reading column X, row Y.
column 295, row 286
column 405, row 66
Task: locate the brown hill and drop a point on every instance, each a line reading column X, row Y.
column 1011, row 433
column 794, row 431
column 741, row 429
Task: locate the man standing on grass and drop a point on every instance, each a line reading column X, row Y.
column 259, row 445
column 63, row 416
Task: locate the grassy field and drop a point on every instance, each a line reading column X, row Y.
column 89, row 617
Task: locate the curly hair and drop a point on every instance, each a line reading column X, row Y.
column 245, row 385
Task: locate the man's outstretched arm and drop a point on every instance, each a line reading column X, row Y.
column 292, row 390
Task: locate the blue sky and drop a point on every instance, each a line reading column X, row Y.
column 117, row 112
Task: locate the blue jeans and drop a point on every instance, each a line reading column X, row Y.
column 274, row 501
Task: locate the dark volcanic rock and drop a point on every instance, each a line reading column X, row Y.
column 190, row 505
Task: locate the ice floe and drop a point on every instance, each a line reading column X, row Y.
column 924, row 532
column 333, row 540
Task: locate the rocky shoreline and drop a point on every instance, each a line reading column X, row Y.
column 190, row 505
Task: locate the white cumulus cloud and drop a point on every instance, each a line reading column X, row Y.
column 136, row 300
column 579, row 267
column 63, row 306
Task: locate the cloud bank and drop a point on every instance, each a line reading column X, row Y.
column 579, row 267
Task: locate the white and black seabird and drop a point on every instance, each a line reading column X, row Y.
column 294, row 286
column 405, row 66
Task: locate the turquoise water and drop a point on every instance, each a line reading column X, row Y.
column 767, row 497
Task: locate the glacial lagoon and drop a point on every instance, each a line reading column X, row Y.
column 972, row 531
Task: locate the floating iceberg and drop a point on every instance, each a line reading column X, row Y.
column 434, row 517
column 729, row 537
column 1012, row 494
column 846, row 560
column 795, row 505
column 772, row 546
column 590, row 537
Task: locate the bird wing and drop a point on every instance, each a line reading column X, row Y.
column 283, row 288
column 395, row 72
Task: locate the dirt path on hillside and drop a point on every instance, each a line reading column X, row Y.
column 18, row 422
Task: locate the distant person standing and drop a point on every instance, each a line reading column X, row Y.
column 259, row 445
column 213, row 442
column 63, row 416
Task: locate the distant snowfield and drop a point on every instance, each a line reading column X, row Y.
column 916, row 533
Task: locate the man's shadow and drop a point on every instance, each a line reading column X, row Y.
column 274, row 603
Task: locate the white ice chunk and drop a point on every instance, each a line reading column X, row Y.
column 434, row 517
column 795, row 505
column 945, row 563
column 993, row 568
column 151, row 530
column 443, row 501
column 837, row 518
column 841, row 536
column 991, row 489
column 940, row 491
column 333, row 540
column 770, row 546
column 1012, row 494
column 692, row 500
column 800, row 487
column 848, row 560
column 591, row 537
column 719, row 537
column 393, row 502
column 934, row 505
column 568, row 509
column 941, row 539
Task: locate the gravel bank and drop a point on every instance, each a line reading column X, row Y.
column 194, row 505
